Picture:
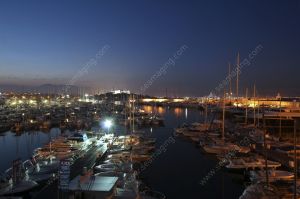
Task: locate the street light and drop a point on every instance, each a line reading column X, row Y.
column 107, row 124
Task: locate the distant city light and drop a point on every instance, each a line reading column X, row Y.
column 120, row 91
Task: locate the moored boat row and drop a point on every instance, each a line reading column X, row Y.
column 244, row 153
column 118, row 171
column 45, row 161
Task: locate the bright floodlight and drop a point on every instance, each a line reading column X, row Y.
column 107, row 123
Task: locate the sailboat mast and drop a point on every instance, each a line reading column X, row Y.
column 265, row 147
column 206, row 126
column 258, row 113
column 237, row 75
column 254, row 93
column 223, row 122
column 246, row 112
column 130, row 113
column 125, row 112
column 133, row 113
column 229, row 76
column 295, row 158
column 280, row 122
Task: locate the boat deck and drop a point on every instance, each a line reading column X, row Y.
column 50, row 190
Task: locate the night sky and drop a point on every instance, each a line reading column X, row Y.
column 50, row 42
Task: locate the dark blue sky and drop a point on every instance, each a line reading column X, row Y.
column 49, row 42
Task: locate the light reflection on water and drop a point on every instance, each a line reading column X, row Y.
column 177, row 171
column 186, row 113
column 22, row 146
column 178, row 111
column 155, row 109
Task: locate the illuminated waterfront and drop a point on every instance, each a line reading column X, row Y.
column 149, row 99
column 183, row 164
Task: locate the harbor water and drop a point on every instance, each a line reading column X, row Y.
column 177, row 171
column 14, row 146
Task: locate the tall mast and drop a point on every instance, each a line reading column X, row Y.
column 133, row 114
column 246, row 116
column 229, row 76
column 206, row 126
column 223, row 122
column 254, row 119
column 258, row 107
column 280, row 125
column 130, row 113
column 125, row 113
column 265, row 147
column 237, row 74
column 295, row 158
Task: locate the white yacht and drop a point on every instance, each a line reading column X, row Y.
column 122, row 167
column 221, row 148
column 40, row 170
column 273, row 175
column 251, row 163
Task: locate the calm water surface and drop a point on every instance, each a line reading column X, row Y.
column 22, row 146
column 176, row 172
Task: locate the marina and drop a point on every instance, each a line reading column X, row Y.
column 149, row 99
column 120, row 155
column 161, row 134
